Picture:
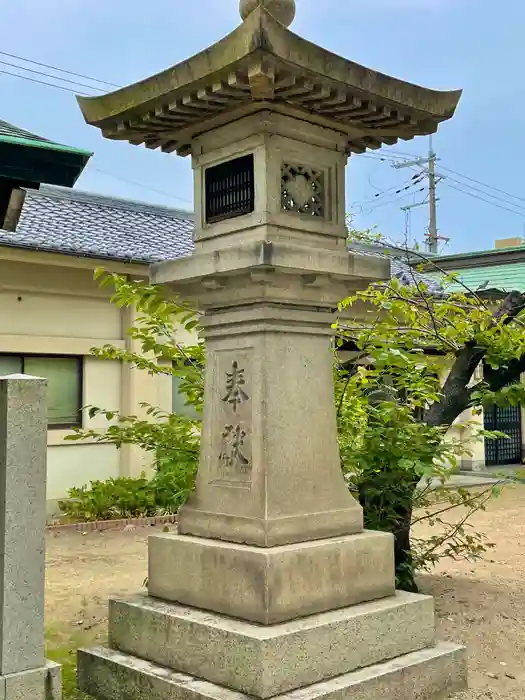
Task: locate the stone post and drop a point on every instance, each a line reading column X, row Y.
column 24, row 672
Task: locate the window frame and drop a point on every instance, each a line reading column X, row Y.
column 79, row 359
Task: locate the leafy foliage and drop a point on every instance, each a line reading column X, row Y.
column 411, row 378
column 172, row 440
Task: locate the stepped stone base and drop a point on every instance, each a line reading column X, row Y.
column 267, row 661
column 430, row 674
column 274, row 584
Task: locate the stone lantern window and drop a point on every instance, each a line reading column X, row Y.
column 230, row 189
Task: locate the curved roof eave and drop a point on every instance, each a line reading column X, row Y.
column 262, row 33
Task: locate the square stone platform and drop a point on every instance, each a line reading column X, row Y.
column 274, row 584
column 430, row 674
column 269, row 660
column 298, row 639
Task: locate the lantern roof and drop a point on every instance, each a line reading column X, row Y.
column 264, row 65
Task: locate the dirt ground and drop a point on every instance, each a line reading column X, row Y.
column 481, row 605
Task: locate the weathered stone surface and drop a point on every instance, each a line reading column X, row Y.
column 431, row 674
column 271, row 585
column 260, row 481
column 271, row 534
column 35, row 684
column 53, row 681
column 266, row 661
column 23, row 449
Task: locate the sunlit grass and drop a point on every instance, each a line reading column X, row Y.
column 61, row 647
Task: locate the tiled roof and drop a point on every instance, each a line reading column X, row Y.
column 14, row 134
column 399, row 265
column 12, row 131
column 502, row 278
column 61, row 220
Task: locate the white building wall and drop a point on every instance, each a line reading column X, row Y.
column 63, row 315
column 47, row 307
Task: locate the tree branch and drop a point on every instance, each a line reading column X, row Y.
column 456, row 395
column 499, row 378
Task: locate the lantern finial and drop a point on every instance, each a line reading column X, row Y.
column 282, row 10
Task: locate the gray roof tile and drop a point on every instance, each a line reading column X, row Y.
column 399, row 265
column 62, row 220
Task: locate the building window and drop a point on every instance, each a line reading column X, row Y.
column 64, row 384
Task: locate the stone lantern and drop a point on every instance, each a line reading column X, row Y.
column 271, row 586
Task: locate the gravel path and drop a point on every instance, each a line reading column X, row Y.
column 482, row 605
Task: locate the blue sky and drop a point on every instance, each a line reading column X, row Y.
column 476, row 45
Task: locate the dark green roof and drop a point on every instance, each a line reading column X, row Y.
column 490, row 253
column 31, row 159
column 504, row 278
column 13, row 134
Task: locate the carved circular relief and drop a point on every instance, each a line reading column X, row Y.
column 300, row 190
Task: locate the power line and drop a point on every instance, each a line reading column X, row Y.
column 393, row 158
column 379, row 156
column 488, row 194
column 48, row 75
column 394, row 190
column 59, row 70
column 429, row 161
column 71, row 90
column 395, row 199
column 487, row 201
column 396, row 154
column 462, row 185
column 140, row 184
column 391, row 199
column 483, row 184
column 42, row 82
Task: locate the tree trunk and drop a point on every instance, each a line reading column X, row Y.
column 405, row 572
column 387, row 505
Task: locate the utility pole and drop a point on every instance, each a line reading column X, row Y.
column 408, row 210
column 433, row 236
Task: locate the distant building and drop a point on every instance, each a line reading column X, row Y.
column 52, row 312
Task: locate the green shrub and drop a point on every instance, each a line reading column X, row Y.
column 123, row 497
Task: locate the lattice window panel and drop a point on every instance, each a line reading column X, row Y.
column 303, row 190
column 505, row 419
column 230, row 189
